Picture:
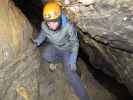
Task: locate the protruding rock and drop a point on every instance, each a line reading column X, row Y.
column 18, row 62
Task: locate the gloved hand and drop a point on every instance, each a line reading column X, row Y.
column 73, row 67
column 73, row 58
column 34, row 45
column 72, row 61
column 35, row 42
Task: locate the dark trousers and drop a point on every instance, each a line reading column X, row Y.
column 54, row 55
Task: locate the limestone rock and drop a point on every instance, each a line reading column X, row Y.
column 18, row 62
column 106, row 27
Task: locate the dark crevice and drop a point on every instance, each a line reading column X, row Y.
column 32, row 10
column 110, row 83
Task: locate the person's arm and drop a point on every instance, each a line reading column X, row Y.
column 40, row 38
column 75, row 47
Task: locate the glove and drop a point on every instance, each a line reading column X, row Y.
column 72, row 61
column 73, row 67
column 34, row 45
column 73, row 58
column 36, row 42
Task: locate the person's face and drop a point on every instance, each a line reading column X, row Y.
column 53, row 25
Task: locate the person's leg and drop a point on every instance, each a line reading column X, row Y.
column 74, row 80
column 52, row 54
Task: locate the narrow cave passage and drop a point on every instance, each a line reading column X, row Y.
column 108, row 82
column 32, row 10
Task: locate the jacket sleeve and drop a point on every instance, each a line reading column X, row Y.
column 40, row 38
column 74, row 44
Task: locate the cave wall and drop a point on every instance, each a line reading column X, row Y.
column 117, row 3
column 19, row 62
column 106, row 28
column 108, row 25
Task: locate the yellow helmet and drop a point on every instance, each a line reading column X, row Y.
column 51, row 11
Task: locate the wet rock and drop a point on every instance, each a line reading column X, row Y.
column 19, row 64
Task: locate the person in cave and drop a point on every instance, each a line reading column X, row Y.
column 62, row 45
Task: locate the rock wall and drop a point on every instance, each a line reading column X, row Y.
column 19, row 62
column 106, row 28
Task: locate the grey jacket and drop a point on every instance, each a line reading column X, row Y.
column 65, row 39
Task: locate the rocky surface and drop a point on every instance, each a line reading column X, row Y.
column 106, row 28
column 106, row 37
column 19, row 63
